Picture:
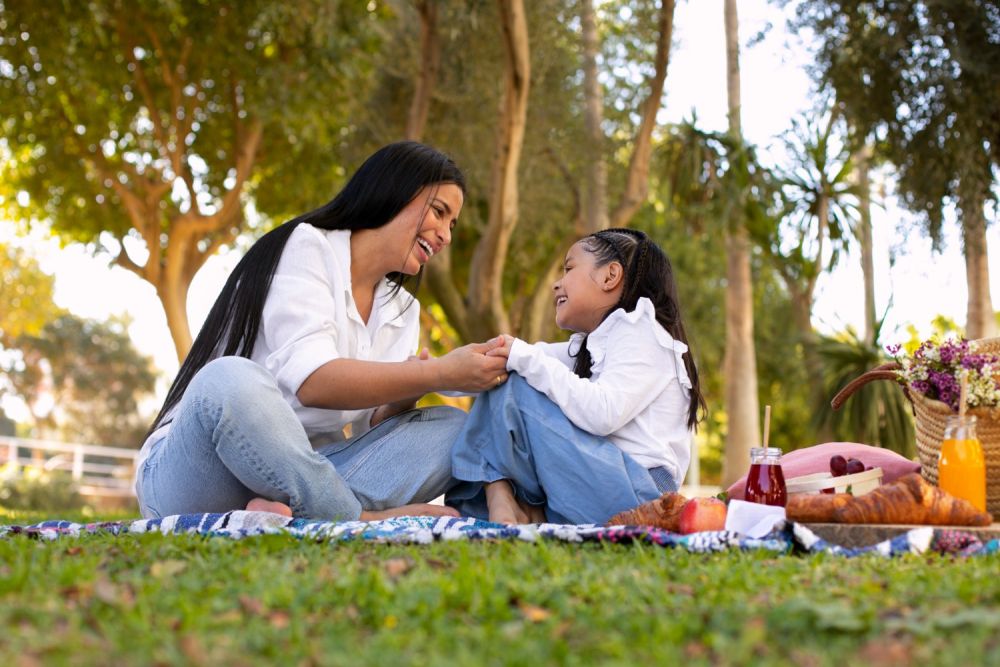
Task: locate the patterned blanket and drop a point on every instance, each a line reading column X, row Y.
column 786, row 538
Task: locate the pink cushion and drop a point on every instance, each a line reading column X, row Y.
column 817, row 459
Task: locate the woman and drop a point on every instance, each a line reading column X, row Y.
column 298, row 393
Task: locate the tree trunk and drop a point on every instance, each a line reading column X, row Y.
column 488, row 315
column 802, row 303
column 862, row 160
column 740, row 362
column 430, row 61
column 980, row 320
column 595, row 214
column 173, row 296
column 438, row 273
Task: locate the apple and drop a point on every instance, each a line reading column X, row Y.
column 700, row 514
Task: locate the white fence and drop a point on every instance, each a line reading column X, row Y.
column 97, row 470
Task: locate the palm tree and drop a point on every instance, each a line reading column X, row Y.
column 821, row 215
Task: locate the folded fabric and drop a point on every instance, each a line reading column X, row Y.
column 809, row 460
column 785, row 538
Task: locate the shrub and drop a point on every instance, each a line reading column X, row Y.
column 35, row 489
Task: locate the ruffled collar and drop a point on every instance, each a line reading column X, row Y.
column 618, row 324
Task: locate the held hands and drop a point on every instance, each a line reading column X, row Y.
column 475, row 367
column 502, row 350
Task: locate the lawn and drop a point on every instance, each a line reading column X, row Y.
column 274, row 599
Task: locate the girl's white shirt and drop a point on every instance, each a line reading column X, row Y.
column 310, row 318
column 639, row 391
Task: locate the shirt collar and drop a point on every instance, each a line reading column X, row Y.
column 386, row 309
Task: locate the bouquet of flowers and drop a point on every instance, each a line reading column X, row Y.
column 934, row 370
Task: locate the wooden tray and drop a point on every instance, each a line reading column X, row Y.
column 865, row 534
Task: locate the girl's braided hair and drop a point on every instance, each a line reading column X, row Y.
column 647, row 273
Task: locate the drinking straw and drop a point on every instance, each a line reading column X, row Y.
column 963, row 391
column 767, row 422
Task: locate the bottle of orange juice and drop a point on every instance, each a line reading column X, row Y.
column 961, row 469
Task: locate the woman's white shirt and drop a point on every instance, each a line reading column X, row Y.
column 310, row 318
column 639, row 391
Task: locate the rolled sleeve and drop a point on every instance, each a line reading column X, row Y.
column 298, row 323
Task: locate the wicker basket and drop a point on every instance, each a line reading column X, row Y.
column 930, row 418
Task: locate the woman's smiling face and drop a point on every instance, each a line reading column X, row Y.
column 586, row 291
column 423, row 228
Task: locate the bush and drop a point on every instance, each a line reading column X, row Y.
column 34, row 489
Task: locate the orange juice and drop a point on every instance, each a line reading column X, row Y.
column 961, row 468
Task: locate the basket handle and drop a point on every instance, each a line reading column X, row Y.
column 886, row 371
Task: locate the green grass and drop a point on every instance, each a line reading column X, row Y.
column 273, row 599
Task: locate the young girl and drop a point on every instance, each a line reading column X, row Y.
column 297, row 394
column 585, row 429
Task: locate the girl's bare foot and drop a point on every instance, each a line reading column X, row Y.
column 272, row 506
column 504, row 508
column 417, row 509
column 535, row 513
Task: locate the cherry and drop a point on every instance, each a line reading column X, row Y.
column 838, row 465
column 854, row 466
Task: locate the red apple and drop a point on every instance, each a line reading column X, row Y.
column 700, row 514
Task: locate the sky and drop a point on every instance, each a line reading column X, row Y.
column 775, row 88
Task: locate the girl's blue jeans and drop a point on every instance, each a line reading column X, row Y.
column 517, row 433
column 234, row 438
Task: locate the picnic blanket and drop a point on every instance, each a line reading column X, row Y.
column 787, row 537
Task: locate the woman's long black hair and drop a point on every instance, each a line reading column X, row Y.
column 648, row 273
column 387, row 181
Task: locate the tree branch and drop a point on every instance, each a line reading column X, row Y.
column 637, row 180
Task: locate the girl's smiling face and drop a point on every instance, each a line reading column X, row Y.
column 586, row 291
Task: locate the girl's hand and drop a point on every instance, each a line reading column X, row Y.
column 388, row 410
column 471, row 368
column 504, row 349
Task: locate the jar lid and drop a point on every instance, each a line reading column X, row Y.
column 765, row 451
column 958, row 419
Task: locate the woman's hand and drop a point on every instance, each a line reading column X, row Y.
column 471, row 367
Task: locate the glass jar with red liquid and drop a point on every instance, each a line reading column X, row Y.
column 765, row 481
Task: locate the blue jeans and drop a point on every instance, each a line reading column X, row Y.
column 234, row 438
column 517, row 433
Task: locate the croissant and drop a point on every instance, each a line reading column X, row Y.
column 816, row 508
column 911, row 500
column 908, row 500
column 664, row 512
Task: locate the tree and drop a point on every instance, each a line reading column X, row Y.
column 83, row 381
column 740, row 361
column 924, row 77
column 492, row 279
column 152, row 122
column 26, row 293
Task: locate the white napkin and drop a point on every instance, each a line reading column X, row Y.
column 752, row 519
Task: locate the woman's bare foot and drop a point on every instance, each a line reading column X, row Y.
column 535, row 513
column 417, row 509
column 272, row 506
column 504, row 508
